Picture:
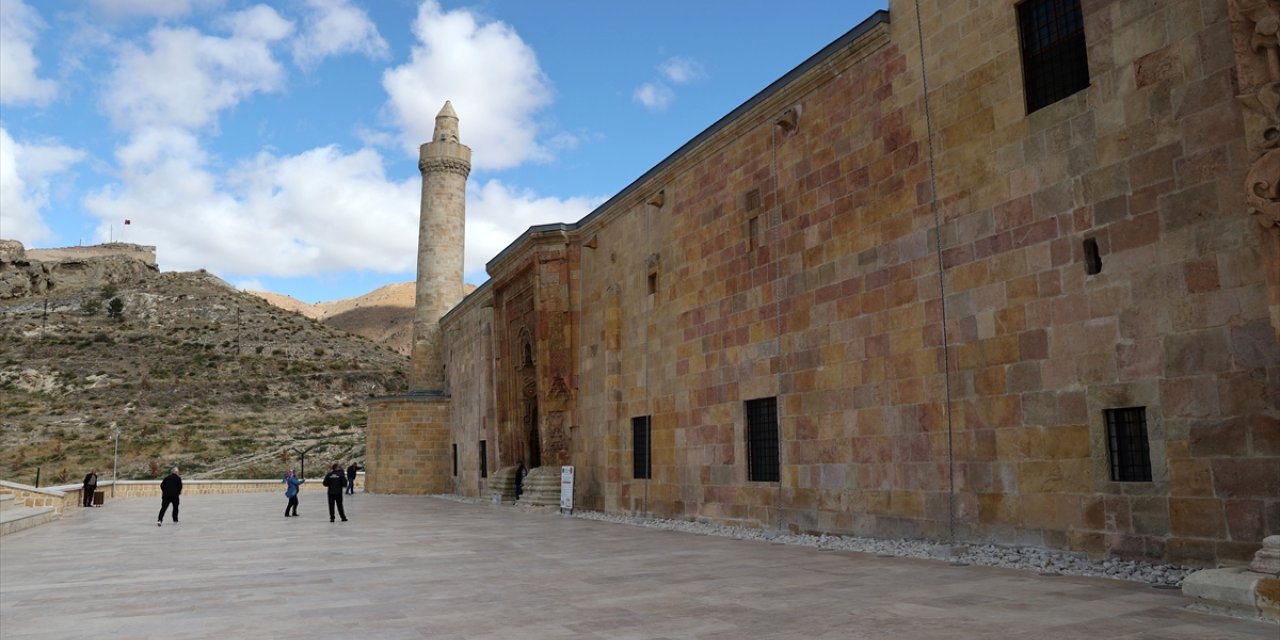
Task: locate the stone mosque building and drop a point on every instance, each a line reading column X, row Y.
column 976, row 271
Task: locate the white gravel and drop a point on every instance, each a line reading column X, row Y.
column 1043, row 561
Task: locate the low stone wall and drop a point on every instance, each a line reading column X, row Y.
column 32, row 497
column 62, row 497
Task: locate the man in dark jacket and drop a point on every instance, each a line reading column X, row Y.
column 335, row 481
column 170, row 489
column 90, row 485
column 351, row 478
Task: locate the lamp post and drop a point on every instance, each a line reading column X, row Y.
column 115, row 459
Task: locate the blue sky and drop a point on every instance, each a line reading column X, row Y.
column 274, row 144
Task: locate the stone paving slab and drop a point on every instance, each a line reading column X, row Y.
column 420, row 567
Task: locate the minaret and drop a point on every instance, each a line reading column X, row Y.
column 445, row 164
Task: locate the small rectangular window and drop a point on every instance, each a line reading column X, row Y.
column 1092, row 259
column 653, row 283
column 455, row 459
column 484, row 461
column 641, row 447
column 762, row 440
column 1127, row 443
column 753, row 233
column 1054, row 59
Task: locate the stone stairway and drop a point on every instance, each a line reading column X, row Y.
column 502, row 485
column 16, row 516
column 541, row 487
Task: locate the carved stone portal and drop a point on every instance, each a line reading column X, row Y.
column 1256, row 34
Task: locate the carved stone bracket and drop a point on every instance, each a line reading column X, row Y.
column 451, row 165
column 1258, row 30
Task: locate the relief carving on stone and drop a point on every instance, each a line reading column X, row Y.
column 1260, row 79
column 451, row 165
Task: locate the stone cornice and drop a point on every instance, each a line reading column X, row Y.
column 444, row 164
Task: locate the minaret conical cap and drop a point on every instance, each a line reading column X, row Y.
column 446, row 124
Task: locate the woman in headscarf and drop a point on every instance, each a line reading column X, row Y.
column 291, row 493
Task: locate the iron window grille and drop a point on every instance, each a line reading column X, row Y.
column 1054, row 60
column 641, row 448
column 762, row 440
column 1127, row 441
column 484, row 461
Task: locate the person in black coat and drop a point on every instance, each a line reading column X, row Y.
column 351, row 478
column 90, row 485
column 170, row 489
column 335, row 482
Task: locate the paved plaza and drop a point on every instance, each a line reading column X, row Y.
column 421, row 567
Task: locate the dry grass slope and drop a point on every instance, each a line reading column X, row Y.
column 193, row 372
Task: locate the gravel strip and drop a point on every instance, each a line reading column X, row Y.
column 1043, row 561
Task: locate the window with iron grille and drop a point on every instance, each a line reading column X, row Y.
column 641, row 448
column 455, row 459
column 1054, row 62
column 1127, row 442
column 484, row 461
column 762, row 440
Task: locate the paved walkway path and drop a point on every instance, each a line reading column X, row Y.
column 418, row 567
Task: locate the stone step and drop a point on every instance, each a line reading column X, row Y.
column 7, row 502
column 541, row 487
column 14, row 520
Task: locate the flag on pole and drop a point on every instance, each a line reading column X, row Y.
column 126, row 222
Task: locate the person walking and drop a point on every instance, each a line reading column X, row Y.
column 291, row 492
column 170, row 489
column 90, row 485
column 351, row 478
column 335, row 482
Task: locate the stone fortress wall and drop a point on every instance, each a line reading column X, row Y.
column 908, row 273
column 142, row 253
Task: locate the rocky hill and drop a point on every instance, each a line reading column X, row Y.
column 190, row 370
column 384, row 315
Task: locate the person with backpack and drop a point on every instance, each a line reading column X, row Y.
column 335, row 482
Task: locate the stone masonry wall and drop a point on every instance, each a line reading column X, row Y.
column 469, row 361
column 909, row 283
column 408, row 445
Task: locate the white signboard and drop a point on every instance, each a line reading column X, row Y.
column 566, row 488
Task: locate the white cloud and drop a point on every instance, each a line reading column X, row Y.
column 19, row 26
column 658, row 95
column 497, row 214
column 489, row 73
column 251, row 284
column 681, row 70
column 654, row 96
column 150, row 8
column 25, row 172
column 186, row 77
column 320, row 211
column 335, row 27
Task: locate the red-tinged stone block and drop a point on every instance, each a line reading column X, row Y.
column 1219, row 438
column 1246, row 478
column 1189, row 397
column 1264, row 436
column 1201, row 275
column 1137, row 231
column 1196, row 352
column 1139, row 360
column 1190, row 551
column 1196, row 517
column 1245, row 520
column 1033, row 344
